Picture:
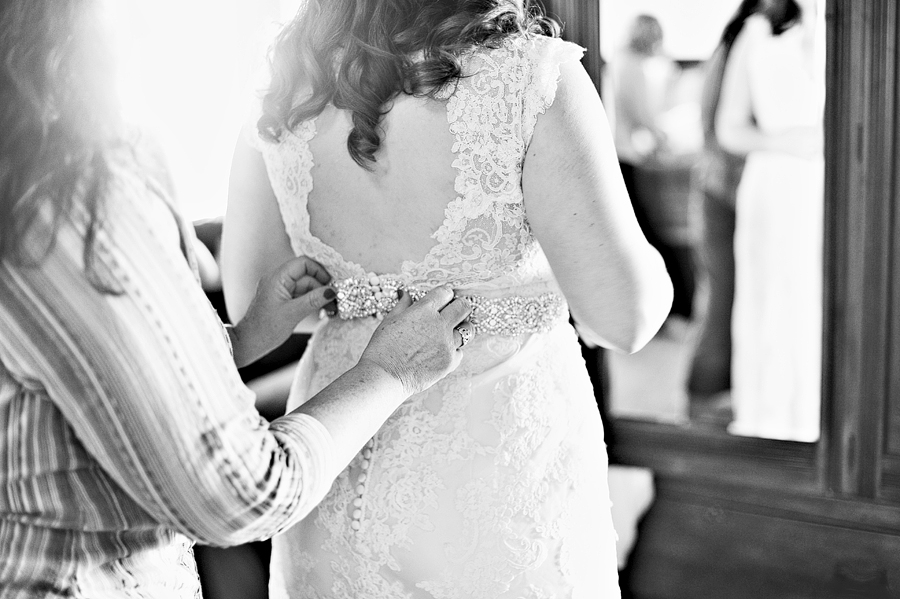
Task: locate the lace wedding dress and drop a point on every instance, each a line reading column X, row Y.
column 491, row 484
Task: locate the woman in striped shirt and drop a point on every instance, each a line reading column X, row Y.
column 125, row 431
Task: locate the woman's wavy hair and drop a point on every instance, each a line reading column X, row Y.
column 782, row 15
column 745, row 10
column 359, row 54
column 59, row 120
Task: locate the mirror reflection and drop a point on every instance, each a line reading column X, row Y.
column 717, row 114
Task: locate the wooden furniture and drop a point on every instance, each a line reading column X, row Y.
column 750, row 518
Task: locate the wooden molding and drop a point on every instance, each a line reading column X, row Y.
column 861, row 232
column 708, row 456
column 877, row 518
column 889, row 489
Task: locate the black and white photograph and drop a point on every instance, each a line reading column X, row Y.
column 449, row 299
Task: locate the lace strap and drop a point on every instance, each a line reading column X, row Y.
column 283, row 180
column 546, row 55
column 288, row 163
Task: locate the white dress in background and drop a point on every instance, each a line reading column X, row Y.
column 777, row 320
column 493, row 483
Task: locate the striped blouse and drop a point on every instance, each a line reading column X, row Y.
column 125, row 431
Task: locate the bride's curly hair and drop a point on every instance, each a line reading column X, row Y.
column 57, row 117
column 359, row 54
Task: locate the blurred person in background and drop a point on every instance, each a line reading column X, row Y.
column 125, row 431
column 771, row 110
column 642, row 78
column 718, row 176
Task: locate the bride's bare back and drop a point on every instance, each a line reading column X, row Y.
column 446, row 170
column 386, row 216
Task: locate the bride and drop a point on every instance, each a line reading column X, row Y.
column 408, row 144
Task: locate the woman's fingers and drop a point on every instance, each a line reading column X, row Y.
column 437, row 298
column 310, row 303
column 298, row 268
column 304, row 285
column 404, row 301
column 453, row 309
column 456, row 311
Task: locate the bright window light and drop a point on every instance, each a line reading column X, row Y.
column 190, row 73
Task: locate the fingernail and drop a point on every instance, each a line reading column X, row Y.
column 330, row 294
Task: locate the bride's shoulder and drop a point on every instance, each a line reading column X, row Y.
column 519, row 57
column 527, row 47
column 542, row 45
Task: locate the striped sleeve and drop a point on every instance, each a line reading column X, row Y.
column 146, row 381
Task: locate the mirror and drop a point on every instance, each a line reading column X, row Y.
column 722, row 153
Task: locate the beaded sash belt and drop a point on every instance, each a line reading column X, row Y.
column 359, row 297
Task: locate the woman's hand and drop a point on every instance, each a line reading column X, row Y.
column 294, row 291
column 419, row 344
column 414, row 347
